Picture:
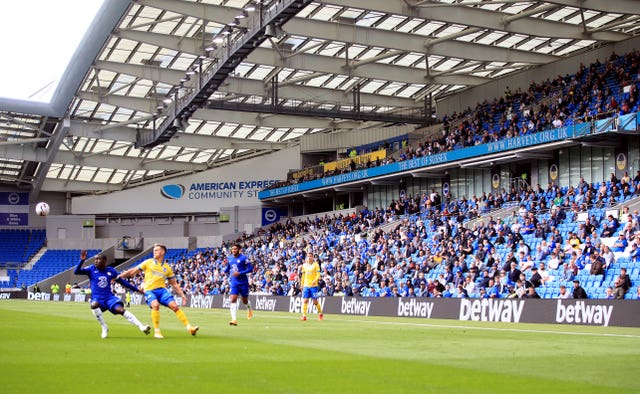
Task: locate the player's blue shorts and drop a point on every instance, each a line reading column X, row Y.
column 310, row 292
column 241, row 289
column 108, row 303
column 163, row 296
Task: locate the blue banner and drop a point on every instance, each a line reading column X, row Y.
column 272, row 215
column 542, row 137
column 14, row 209
column 14, row 219
column 14, row 198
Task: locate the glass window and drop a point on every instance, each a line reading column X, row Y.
column 597, row 162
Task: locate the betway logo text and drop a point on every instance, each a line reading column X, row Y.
column 415, row 308
column 39, row 296
column 354, row 306
column 491, row 310
column 201, row 301
column 580, row 312
column 295, row 305
column 265, row 304
column 136, row 299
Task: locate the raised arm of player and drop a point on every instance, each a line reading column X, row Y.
column 83, row 257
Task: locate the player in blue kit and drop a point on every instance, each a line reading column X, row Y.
column 237, row 269
column 102, row 298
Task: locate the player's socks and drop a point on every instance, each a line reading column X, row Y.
column 182, row 317
column 155, row 319
column 233, row 308
column 133, row 320
column 98, row 314
column 249, row 311
column 319, row 307
column 305, row 308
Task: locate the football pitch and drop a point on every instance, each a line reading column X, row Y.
column 56, row 347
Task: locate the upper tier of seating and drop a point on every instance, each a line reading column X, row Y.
column 18, row 246
column 51, row 263
column 597, row 91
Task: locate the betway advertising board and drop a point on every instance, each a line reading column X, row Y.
column 605, row 313
column 227, row 186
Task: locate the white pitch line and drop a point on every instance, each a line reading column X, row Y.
column 478, row 328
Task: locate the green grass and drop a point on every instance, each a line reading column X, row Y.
column 47, row 346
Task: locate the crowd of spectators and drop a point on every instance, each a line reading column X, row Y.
column 428, row 252
column 595, row 91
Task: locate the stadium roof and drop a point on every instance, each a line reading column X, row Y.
column 382, row 57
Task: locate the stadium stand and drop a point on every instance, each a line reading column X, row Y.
column 592, row 93
column 18, row 246
column 551, row 237
column 427, row 247
column 52, row 262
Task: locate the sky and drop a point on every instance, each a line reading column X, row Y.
column 39, row 37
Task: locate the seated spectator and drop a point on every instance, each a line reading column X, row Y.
column 528, row 227
column 554, row 260
column 519, row 289
column 609, row 295
column 622, row 284
column 526, row 263
column 620, row 244
column 564, row 294
column 613, row 179
column 635, row 252
column 492, row 290
column 536, row 279
column 581, row 260
column 470, row 286
column 610, row 226
column 597, row 265
column 574, row 241
column 447, row 291
column 570, row 271
column 384, row 290
column 531, row 293
column 461, row 293
column 544, row 274
column 514, row 273
column 578, row 291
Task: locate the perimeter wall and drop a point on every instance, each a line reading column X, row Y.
column 604, row 313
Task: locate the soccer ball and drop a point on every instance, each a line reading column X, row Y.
column 42, row 209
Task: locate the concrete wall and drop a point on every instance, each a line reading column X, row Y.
column 216, row 190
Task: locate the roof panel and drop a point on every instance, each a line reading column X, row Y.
column 330, row 84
